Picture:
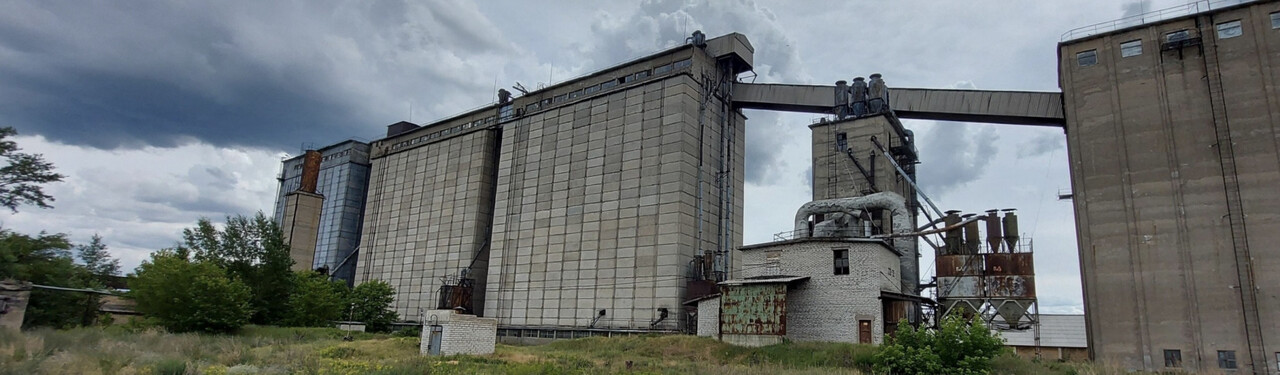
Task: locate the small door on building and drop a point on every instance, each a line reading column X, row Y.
column 864, row 331
column 433, row 342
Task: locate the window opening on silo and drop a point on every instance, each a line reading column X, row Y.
column 1087, row 58
column 683, row 63
column 609, row 84
column 842, row 141
column 1226, row 359
column 1131, row 48
column 1172, row 358
column 560, row 98
column 662, row 69
column 1229, row 29
column 592, row 89
column 1177, row 36
column 645, row 73
column 1275, row 24
column 575, row 94
column 841, row 260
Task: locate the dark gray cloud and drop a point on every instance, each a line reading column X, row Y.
column 660, row 24
column 266, row 74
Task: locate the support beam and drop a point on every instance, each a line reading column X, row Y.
column 997, row 107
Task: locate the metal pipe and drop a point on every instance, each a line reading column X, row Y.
column 905, row 176
column 900, row 223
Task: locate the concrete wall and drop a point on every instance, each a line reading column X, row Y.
column 1161, row 145
column 835, row 176
column 427, row 218
column 597, row 205
column 343, row 181
column 827, row 307
column 461, row 333
column 300, row 225
column 709, row 317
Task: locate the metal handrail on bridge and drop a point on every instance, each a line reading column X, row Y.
column 1149, row 17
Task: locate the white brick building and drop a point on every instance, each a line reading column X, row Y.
column 834, row 289
column 447, row 333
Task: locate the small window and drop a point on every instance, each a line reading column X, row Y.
column 592, row 89
column 609, row 84
column 842, row 262
column 575, row 94
column 1230, row 29
column 662, row 69
column 1177, row 36
column 1131, row 48
column 1087, row 58
column 645, row 73
column 683, row 63
column 560, row 98
column 1172, row 358
column 1275, row 20
column 842, row 141
column 1227, row 359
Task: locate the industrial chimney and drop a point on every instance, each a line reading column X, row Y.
column 301, row 220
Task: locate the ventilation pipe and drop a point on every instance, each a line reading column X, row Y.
column 900, row 223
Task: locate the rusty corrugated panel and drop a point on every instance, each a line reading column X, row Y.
column 959, row 265
column 753, row 309
column 1019, row 286
column 960, row 287
column 310, row 171
column 1010, row 264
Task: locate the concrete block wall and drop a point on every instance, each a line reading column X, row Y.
column 1161, row 264
column 427, row 218
column 709, row 317
column 596, row 206
column 461, row 333
column 827, row 307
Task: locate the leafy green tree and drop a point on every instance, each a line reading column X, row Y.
column 45, row 259
column 97, row 260
column 185, row 295
column 371, row 304
column 21, row 178
column 316, row 301
column 251, row 250
column 957, row 347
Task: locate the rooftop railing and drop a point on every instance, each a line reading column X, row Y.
column 1150, row 17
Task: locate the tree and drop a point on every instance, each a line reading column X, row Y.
column 96, row 259
column 316, row 301
column 253, row 251
column 21, row 178
column 957, row 347
column 185, row 295
column 371, row 303
column 45, row 259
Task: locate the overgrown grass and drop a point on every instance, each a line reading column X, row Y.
column 276, row 350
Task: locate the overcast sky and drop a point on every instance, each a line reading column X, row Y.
column 162, row 112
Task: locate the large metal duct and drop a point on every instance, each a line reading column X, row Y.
column 901, row 223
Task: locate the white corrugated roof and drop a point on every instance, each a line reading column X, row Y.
column 1066, row 331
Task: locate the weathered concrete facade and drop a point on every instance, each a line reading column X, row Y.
column 594, row 194
column 1173, row 138
column 342, row 181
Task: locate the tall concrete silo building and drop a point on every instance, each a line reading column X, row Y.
column 582, row 207
column 341, row 181
column 1173, row 130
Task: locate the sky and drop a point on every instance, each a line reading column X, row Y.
column 162, row 112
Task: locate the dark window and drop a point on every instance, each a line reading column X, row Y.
column 1177, row 36
column 628, row 79
column 1131, row 48
column 575, row 94
column 1172, row 358
column 504, row 112
column 842, row 141
column 530, row 108
column 645, row 73
column 560, row 98
column 592, row 89
column 662, row 69
column 609, row 84
column 683, row 63
column 1087, row 58
column 842, row 262
column 1226, row 359
column 1275, row 24
column 1229, row 29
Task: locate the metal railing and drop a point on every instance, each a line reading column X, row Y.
column 822, row 233
column 1150, row 17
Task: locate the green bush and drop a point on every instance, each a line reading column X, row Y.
column 371, row 304
column 188, row 296
column 315, row 301
column 957, row 347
